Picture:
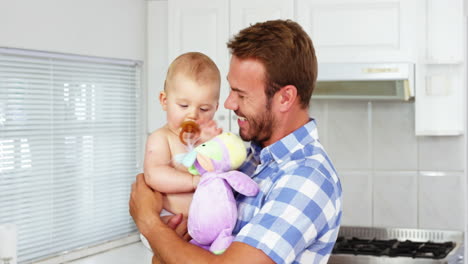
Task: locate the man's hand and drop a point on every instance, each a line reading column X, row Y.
column 145, row 205
column 179, row 224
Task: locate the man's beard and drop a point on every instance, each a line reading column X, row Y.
column 260, row 127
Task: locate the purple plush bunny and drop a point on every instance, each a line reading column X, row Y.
column 213, row 211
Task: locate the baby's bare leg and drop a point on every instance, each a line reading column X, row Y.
column 178, row 203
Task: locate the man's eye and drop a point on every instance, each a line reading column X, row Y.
column 183, row 105
column 205, row 109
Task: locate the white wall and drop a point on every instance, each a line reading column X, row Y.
column 105, row 28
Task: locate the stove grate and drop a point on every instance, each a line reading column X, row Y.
column 392, row 248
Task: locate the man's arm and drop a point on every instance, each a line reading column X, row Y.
column 145, row 206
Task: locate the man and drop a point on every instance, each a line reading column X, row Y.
column 296, row 215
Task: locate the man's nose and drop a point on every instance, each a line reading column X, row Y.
column 230, row 102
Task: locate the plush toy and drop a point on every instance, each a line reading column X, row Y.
column 213, row 211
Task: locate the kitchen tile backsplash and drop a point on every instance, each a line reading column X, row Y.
column 391, row 177
column 394, row 143
column 441, row 201
column 357, row 200
column 441, row 153
column 348, row 146
column 395, row 199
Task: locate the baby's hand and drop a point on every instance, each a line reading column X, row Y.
column 208, row 131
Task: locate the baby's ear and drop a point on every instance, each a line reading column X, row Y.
column 163, row 100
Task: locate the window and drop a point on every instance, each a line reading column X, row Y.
column 70, row 147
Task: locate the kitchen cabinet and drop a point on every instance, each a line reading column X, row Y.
column 441, row 77
column 246, row 12
column 361, row 31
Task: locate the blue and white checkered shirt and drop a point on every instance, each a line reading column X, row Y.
column 296, row 216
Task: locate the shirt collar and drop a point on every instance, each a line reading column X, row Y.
column 282, row 149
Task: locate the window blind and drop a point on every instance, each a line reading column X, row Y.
column 70, row 147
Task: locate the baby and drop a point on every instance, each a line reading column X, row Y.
column 191, row 92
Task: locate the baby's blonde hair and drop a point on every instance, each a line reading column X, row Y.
column 195, row 66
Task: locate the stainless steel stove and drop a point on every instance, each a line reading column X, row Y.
column 365, row 245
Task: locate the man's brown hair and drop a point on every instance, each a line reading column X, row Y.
column 195, row 66
column 285, row 50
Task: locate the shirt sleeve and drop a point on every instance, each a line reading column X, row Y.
column 297, row 211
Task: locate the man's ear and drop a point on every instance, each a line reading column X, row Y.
column 163, row 100
column 286, row 97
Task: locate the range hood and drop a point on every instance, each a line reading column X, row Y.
column 368, row 81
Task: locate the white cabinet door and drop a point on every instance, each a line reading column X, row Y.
column 157, row 62
column 361, row 30
column 202, row 26
column 439, row 102
column 440, row 82
column 444, row 31
column 246, row 12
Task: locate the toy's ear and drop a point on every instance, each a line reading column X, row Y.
column 205, row 162
column 240, row 182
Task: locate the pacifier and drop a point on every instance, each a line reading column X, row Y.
column 188, row 131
